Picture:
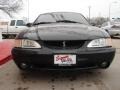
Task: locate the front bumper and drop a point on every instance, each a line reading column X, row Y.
column 44, row 58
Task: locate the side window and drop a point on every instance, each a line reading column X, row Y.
column 12, row 23
column 20, row 23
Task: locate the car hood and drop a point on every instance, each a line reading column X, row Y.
column 63, row 32
column 69, row 32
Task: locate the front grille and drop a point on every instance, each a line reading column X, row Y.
column 64, row 44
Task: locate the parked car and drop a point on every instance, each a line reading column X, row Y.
column 113, row 28
column 62, row 40
column 11, row 28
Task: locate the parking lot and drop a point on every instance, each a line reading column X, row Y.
column 12, row 79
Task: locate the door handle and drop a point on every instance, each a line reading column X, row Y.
column 16, row 27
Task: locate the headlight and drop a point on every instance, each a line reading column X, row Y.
column 24, row 43
column 102, row 42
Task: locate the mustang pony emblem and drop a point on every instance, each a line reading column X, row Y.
column 64, row 44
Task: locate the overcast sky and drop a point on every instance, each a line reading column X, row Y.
column 98, row 7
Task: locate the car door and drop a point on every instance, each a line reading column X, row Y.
column 11, row 27
column 20, row 26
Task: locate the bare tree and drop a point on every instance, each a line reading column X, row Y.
column 98, row 20
column 10, row 6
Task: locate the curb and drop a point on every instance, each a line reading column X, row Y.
column 6, row 59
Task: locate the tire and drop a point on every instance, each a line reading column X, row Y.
column 4, row 36
column 26, row 69
column 12, row 36
column 105, row 67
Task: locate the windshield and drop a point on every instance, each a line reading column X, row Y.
column 61, row 18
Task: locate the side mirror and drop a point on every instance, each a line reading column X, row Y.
column 29, row 24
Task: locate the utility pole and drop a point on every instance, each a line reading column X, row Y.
column 28, row 11
column 110, row 5
column 109, row 11
column 89, row 7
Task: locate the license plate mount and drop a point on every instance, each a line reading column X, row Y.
column 65, row 59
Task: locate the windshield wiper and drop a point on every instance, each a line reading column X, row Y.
column 42, row 23
column 67, row 21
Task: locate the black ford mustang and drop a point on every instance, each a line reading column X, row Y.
column 62, row 40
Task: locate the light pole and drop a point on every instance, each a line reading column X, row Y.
column 109, row 11
column 28, row 10
column 89, row 7
column 110, row 4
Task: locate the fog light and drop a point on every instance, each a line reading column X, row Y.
column 104, row 64
column 24, row 65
